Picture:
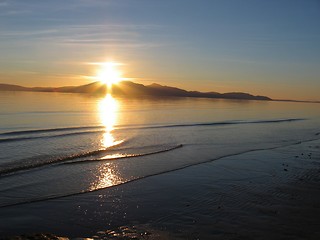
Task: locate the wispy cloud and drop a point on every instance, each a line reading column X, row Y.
column 3, row 3
column 10, row 8
column 93, row 3
column 96, row 34
column 54, row 8
column 72, row 23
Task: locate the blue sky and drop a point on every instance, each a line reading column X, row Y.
column 262, row 47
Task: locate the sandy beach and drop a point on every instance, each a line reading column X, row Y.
column 264, row 194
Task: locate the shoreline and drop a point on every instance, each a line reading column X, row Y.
column 259, row 195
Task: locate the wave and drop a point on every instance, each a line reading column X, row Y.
column 228, row 123
column 39, row 161
column 40, row 199
column 37, row 131
column 5, row 140
column 117, row 156
column 86, row 129
column 32, row 163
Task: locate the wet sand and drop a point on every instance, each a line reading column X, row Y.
column 266, row 194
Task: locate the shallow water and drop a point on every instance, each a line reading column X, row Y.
column 54, row 145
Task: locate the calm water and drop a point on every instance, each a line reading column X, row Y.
column 54, row 145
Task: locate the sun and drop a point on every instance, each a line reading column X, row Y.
column 109, row 73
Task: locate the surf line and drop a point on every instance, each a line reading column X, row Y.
column 66, row 159
column 128, row 127
column 53, row 161
column 88, row 191
column 125, row 156
column 159, row 173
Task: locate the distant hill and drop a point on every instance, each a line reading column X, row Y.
column 131, row 89
column 9, row 87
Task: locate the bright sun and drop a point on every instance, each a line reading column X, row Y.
column 109, row 73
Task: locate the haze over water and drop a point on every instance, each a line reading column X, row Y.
column 55, row 144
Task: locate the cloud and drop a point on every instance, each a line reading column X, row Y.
column 54, row 8
column 3, row 3
column 89, row 23
column 9, row 8
column 127, row 36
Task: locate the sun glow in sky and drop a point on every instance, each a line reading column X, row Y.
column 109, row 73
column 262, row 47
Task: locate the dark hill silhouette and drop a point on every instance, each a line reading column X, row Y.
column 9, row 87
column 131, row 89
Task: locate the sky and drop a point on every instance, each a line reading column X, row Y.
column 262, row 47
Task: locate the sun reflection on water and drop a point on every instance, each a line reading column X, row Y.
column 107, row 177
column 106, row 174
column 108, row 108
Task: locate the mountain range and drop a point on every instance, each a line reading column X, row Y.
column 131, row 89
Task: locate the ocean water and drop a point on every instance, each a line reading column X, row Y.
column 54, row 145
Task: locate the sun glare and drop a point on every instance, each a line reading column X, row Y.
column 108, row 108
column 109, row 74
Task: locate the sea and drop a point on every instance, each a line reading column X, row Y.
column 54, row 145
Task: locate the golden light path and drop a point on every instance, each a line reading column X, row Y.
column 107, row 174
column 108, row 108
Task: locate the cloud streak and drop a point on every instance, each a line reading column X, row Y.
column 126, row 36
